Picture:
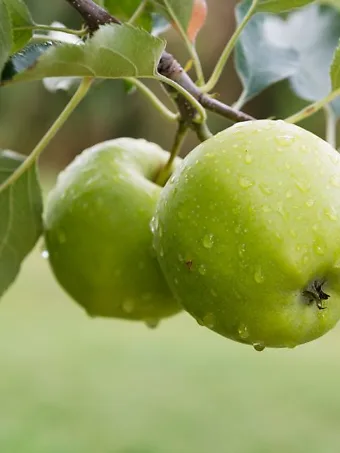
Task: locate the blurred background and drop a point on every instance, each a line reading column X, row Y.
column 70, row 384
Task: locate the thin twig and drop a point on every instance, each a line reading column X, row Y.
column 94, row 16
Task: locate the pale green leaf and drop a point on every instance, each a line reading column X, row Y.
column 260, row 60
column 20, row 219
column 20, row 17
column 279, row 6
column 5, row 34
column 114, row 51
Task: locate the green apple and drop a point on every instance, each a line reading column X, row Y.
column 97, row 231
column 247, row 232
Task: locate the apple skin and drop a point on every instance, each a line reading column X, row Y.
column 246, row 225
column 97, row 231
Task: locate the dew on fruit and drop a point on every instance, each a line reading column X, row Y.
column 242, row 250
column 266, row 190
column 202, row 269
column 335, row 181
column 285, row 140
column 154, row 224
column 152, row 323
column 259, row 347
column 161, row 252
column 208, row 241
column 289, row 194
column 279, row 208
column 128, row 306
column 248, row 158
column 319, row 250
column 209, row 320
column 213, row 293
column 310, row 203
column 302, row 186
column 176, row 281
column 180, row 215
column 243, row 332
column 258, row 276
column 45, row 254
column 245, row 182
column 266, row 208
column 331, row 214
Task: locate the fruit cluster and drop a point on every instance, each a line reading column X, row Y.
column 245, row 234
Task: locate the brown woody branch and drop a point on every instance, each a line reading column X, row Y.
column 94, row 16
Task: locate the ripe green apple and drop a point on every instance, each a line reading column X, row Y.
column 97, row 231
column 247, row 232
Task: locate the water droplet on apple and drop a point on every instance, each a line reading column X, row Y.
column 245, row 182
column 258, row 276
column 284, row 140
column 289, row 194
column 242, row 250
column 181, row 215
column 128, row 306
column 319, row 250
column 209, row 320
column 310, row 203
column 266, row 190
column 243, row 332
column 292, row 233
column 279, row 208
column 176, row 281
column 152, row 323
column 331, row 214
column 266, row 208
column 202, row 269
column 302, row 186
column 45, row 254
column 213, row 293
column 161, row 252
column 259, row 347
column 335, row 181
column 208, row 241
column 248, row 158
column 154, row 225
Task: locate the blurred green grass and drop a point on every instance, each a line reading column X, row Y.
column 70, row 384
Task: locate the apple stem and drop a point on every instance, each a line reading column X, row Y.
column 165, row 172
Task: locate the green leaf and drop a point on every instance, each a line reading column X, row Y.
column 261, row 61
column 315, row 45
column 114, row 51
column 124, row 10
column 21, row 217
column 20, row 17
column 5, row 34
column 279, row 6
column 335, row 69
column 335, row 3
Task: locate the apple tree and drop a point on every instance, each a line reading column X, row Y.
column 244, row 233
